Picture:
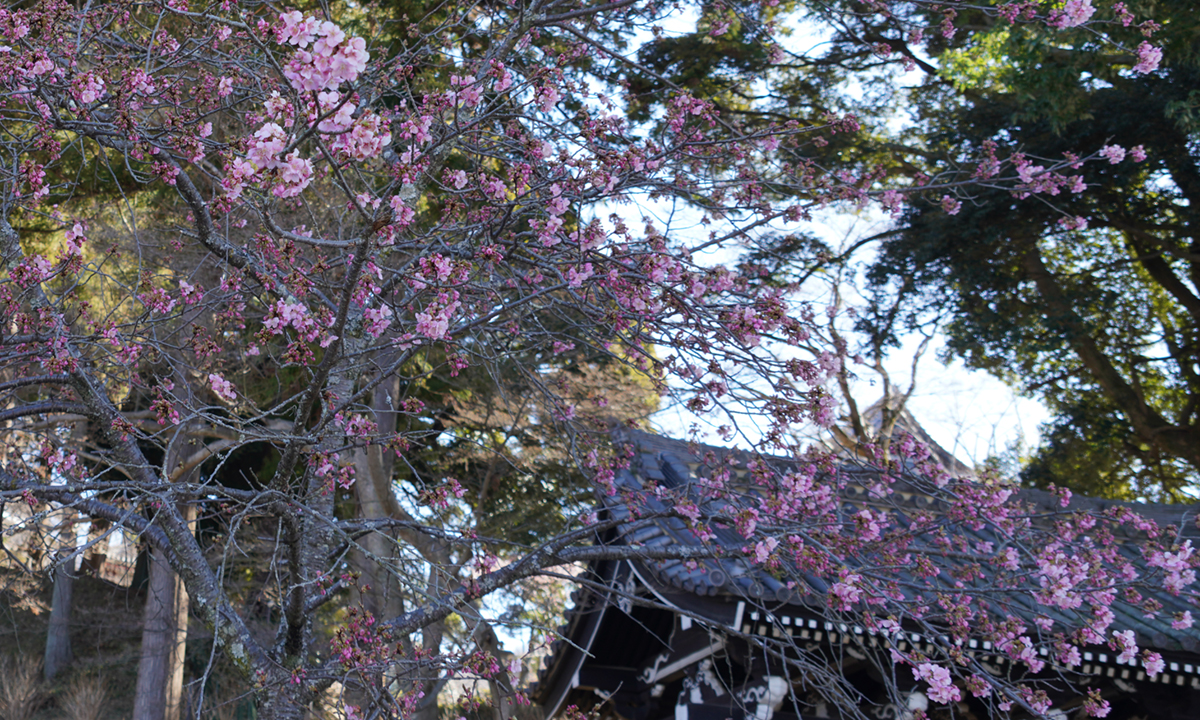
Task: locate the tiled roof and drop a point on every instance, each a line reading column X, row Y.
column 673, row 463
column 767, row 607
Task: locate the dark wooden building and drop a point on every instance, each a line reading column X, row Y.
column 665, row 640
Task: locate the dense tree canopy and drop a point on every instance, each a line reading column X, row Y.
column 1088, row 297
column 1081, row 293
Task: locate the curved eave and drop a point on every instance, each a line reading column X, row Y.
column 568, row 653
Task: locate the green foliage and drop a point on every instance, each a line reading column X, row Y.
column 1101, row 324
column 982, row 65
column 494, row 434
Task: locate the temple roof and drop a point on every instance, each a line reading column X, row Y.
column 734, row 593
column 673, row 464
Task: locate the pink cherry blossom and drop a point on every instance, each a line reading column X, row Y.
column 90, row 88
column 222, row 387
column 547, row 97
column 402, row 214
column 1123, row 642
column 1096, row 707
column 269, row 141
column 1177, row 567
column 1113, row 153
column 434, row 322
column 1148, row 58
column 75, row 238
column 1077, row 12
column 846, row 592
column 377, row 320
column 1153, row 663
column 503, row 77
column 1073, row 223
column 296, row 29
column 941, row 684
column 294, row 174
column 764, row 548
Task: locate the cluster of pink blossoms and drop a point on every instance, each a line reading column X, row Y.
column 377, row 320
column 296, row 315
column 764, row 548
column 61, row 460
column 356, row 425
column 334, row 59
column 361, row 138
column 89, row 88
column 434, row 321
column 1073, row 14
column 222, row 387
column 941, row 685
column 1075, row 573
column 1148, row 58
column 845, row 592
column 270, row 140
column 1177, row 566
column 1060, row 575
column 190, row 293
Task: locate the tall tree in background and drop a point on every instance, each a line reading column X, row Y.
column 1089, row 298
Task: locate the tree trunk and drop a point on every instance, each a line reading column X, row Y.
column 1173, row 439
column 156, row 666
column 174, row 688
column 58, row 636
column 159, row 694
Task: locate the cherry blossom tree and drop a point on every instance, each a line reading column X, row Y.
column 240, row 241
